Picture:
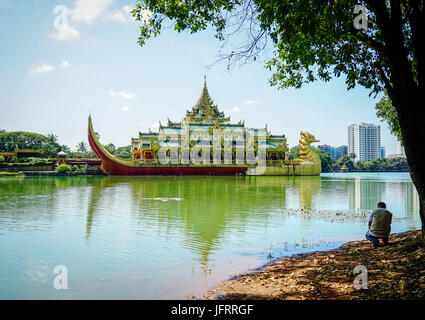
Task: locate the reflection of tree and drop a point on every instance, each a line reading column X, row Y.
column 34, row 199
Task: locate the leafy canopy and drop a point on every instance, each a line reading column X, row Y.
column 386, row 111
column 311, row 39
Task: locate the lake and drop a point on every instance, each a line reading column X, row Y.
column 176, row 237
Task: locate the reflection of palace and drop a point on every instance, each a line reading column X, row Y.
column 205, row 208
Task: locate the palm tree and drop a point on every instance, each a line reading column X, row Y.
column 82, row 147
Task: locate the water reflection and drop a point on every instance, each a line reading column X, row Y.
column 126, row 224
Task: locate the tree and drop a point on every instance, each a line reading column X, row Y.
column 111, row 148
column 317, row 40
column 65, row 148
column 10, row 141
column 386, row 111
column 82, row 147
column 326, row 160
column 294, row 153
column 345, row 160
column 360, row 165
column 52, row 138
column 124, row 152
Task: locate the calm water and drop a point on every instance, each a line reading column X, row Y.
column 167, row 237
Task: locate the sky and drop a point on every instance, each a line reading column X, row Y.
column 63, row 60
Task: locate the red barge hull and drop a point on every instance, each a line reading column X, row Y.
column 113, row 166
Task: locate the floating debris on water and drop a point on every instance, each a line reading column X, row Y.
column 329, row 215
column 164, row 199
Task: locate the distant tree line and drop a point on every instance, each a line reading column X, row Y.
column 10, row 141
column 347, row 163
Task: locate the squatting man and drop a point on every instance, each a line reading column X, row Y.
column 379, row 225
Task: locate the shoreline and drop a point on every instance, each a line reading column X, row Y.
column 396, row 271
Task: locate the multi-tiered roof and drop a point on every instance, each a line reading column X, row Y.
column 204, row 114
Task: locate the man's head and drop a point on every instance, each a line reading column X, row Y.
column 382, row 205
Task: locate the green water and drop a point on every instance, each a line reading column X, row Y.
column 168, row 237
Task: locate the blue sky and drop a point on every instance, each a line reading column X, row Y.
column 51, row 79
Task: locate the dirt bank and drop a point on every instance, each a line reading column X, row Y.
column 396, row 271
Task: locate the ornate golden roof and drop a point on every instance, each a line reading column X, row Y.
column 205, row 111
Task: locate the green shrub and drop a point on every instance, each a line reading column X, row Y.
column 25, row 164
column 78, row 168
column 63, row 168
column 1, row 158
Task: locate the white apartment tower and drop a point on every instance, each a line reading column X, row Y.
column 365, row 141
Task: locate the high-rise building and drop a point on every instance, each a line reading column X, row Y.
column 334, row 152
column 365, row 141
column 383, row 153
column 341, row 151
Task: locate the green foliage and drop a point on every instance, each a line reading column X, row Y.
column 386, row 112
column 312, row 39
column 9, row 174
column 326, row 160
column 111, row 148
column 124, row 152
column 82, row 147
column 294, row 153
column 63, row 168
column 35, row 163
column 78, row 168
column 345, row 160
column 1, row 158
column 9, row 141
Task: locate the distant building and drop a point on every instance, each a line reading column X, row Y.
column 400, row 150
column 335, row 152
column 341, row 151
column 395, row 155
column 327, row 148
column 383, row 153
column 400, row 153
column 365, row 141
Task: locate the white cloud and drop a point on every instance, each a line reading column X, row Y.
column 65, row 64
column 41, row 68
column 234, row 110
column 125, row 108
column 65, row 33
column 89, row 10
column 251, row 101
column 124, row 15
column 122, row 94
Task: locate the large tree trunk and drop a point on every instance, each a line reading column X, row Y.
column 408, row 103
